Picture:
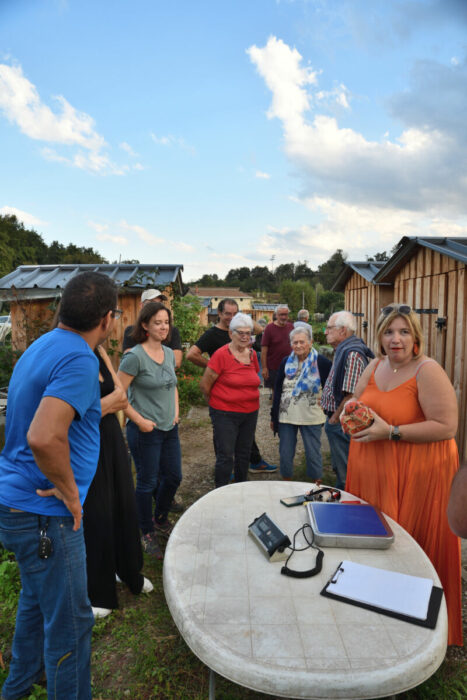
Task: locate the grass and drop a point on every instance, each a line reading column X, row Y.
column 138, row 654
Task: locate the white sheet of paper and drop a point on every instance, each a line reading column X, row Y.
column 389, row 590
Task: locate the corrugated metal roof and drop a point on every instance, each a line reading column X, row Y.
column 48, row 277
column 222, row 292
column 455, row 248
column 367, row 269
column 264, row 307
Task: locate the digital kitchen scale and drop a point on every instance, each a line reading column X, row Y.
column 359, row 525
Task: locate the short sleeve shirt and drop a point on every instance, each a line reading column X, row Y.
column 354, row 367
column 236, row 388
column 152, row 391
column 213, row 339
column 174, row 343
column 277, row 340
column 59, row 364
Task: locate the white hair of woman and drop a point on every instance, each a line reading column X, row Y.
column 344, row 319
column 301, row 327
column 241, row 321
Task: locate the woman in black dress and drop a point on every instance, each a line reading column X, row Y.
column 111, row 530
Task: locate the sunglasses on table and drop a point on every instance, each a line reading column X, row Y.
column 402, row 309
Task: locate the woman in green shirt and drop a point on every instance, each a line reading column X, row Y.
column 147, row 373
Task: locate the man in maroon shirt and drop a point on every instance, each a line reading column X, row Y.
column 275, row 344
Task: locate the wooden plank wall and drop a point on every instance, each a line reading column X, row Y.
column 429, row 280
column 363, row 297
column 434, row 281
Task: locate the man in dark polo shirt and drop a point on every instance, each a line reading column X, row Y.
column 211, row 340
column 174, row 343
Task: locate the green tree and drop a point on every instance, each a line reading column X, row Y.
column 328, row 271
column 329, row 302
column 378, row 257
column 297, row 295
column 285, row 272
column 186, row 317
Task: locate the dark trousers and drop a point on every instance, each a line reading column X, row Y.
column 233, row 436
column 156, row 456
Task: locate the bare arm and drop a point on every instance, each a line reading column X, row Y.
column 144, row 424
column 48, row 439
column 195, row 355
column 177, row 407
column 457, row 506
column 359, row 388
column 439, row 405
column 178, row 358
column 116, row 400
column 207, row 381
column 264, row 361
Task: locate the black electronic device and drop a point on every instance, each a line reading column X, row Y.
column 269, row 538
column 323, row 493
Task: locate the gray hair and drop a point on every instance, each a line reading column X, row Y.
column 303, row 315
column 344, row 319
column 281, row 306
column 304, row 328
column 241, row 321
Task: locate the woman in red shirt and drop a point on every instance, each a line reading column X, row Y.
column 230, row 384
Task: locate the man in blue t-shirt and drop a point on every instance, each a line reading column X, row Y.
column 46, row 467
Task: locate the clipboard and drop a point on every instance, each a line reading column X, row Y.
column 409, row 598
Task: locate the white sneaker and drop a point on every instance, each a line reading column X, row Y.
column 147, row 586
column 101, row 612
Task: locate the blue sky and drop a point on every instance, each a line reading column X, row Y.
column 220, row 134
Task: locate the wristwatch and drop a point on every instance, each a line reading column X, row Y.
column 395, row 433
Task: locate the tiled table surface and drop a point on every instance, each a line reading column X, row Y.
column 276, row 634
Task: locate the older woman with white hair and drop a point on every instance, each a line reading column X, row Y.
column 297, row 396
column 230, row 384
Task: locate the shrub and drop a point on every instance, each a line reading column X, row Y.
column 189, row 393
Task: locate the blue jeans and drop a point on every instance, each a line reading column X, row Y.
column 339, row 443
column 233, row 437
column 158, row 462
column 54, row 618
column 311, row 436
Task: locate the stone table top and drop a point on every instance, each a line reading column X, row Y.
column 276, row 634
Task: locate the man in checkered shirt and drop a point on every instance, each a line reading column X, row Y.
column 351, row 356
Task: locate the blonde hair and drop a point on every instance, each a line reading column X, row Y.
column 385, row 320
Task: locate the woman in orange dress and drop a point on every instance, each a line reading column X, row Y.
column 405, row 461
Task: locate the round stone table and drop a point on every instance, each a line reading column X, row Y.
column 276, row 634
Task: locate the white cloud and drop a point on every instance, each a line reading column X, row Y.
column 27, row 219
column 262, row 176
column 141, row 232
column 22, row 105
column 358, row 230
column 185, row 247
column 152, row 240
column 128, row 149
column 171, row 140
column 100, row 228
column 118, row 240
column 424, row 167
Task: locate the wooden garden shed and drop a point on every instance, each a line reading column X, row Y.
column 363, row 297
column 35, row 290
column 429, row 274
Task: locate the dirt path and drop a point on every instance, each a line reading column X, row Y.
column 198, row 452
